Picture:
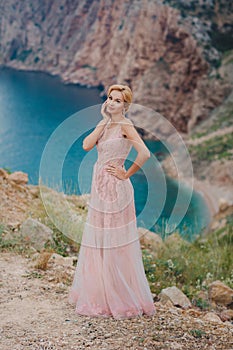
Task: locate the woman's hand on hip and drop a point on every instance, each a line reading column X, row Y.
column 117, row 171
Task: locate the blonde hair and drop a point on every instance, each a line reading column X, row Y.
column 126, row 92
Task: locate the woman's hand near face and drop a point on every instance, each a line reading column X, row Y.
column 106, row 115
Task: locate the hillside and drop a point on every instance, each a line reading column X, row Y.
column 36, row 275
column 170, row 52
column 177, row 55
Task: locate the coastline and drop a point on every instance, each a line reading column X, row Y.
column 216, row 197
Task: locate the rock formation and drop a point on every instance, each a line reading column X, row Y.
column 168, row 51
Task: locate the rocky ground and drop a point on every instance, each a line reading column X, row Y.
column 34, row 308
column 35, row 314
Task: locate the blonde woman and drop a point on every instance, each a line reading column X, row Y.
column 110, row 279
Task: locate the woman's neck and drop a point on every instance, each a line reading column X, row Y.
column 117, row 118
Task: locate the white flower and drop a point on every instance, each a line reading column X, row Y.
column 170, row 264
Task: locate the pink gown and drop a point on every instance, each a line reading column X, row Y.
column 110, row 279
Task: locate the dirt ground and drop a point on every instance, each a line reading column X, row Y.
column 35, row 314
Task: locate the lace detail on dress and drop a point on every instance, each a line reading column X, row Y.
column 110, row 279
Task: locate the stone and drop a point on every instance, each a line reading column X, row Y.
column 193, row 312
column 150, row 239
column 34, row 190
column 61, row 260
column 14, row 225
column 220, row 294
column 19, row 177
column 167, row 63
column 212, row 317
column 3, row 173
column 168, row 304
column 223, row 204
column 36, row 233
column 176, row 296
column 226, row 315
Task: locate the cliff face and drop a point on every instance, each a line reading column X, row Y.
column 168, row 51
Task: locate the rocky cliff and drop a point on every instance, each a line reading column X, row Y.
column 170, row 52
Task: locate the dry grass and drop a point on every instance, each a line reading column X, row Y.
column 42, row 261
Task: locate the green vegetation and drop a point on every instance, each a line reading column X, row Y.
column 222, row 41
column 164, row 65
column 17, row 244
column 7, row 170
column 227, row 56
column 222, row 120
column 22, row 56
column 1, row 229
column 120, row 27
column 33, row 274
column 208, row 12
column 88, row 66
column 202, row 304
column 197, row 333
column 14, row 243
column 192, row 266
column 219, row 147
column 61, row 244
column 197, row 135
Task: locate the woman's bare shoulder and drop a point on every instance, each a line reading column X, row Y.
column 127, row 122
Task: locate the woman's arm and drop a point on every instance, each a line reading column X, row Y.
column 90, row 141
column 139, row 145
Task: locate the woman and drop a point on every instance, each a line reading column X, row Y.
column 110, row 279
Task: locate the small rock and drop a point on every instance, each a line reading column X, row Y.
column 3, row 173
column 176, row 296
column 223, row 204
column 220, row 294
column 34, row 190
column 151, row 239
column 168, row 303
column 14, row 225
column 108, row 335
column 193, row 312
column 36, row 233
column 226, row 315
column 61, row 260
column 212, row 317
column 19, row 177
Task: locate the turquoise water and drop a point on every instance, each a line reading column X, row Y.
column 34, row 104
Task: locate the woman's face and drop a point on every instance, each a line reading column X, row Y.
column 115, row 102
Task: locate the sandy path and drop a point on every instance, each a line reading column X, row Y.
column 35, row 314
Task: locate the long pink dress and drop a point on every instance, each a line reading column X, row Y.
column 110, row 279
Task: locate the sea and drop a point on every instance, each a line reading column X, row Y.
column 35, row 105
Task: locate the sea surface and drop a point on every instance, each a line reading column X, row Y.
column 33, row 105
